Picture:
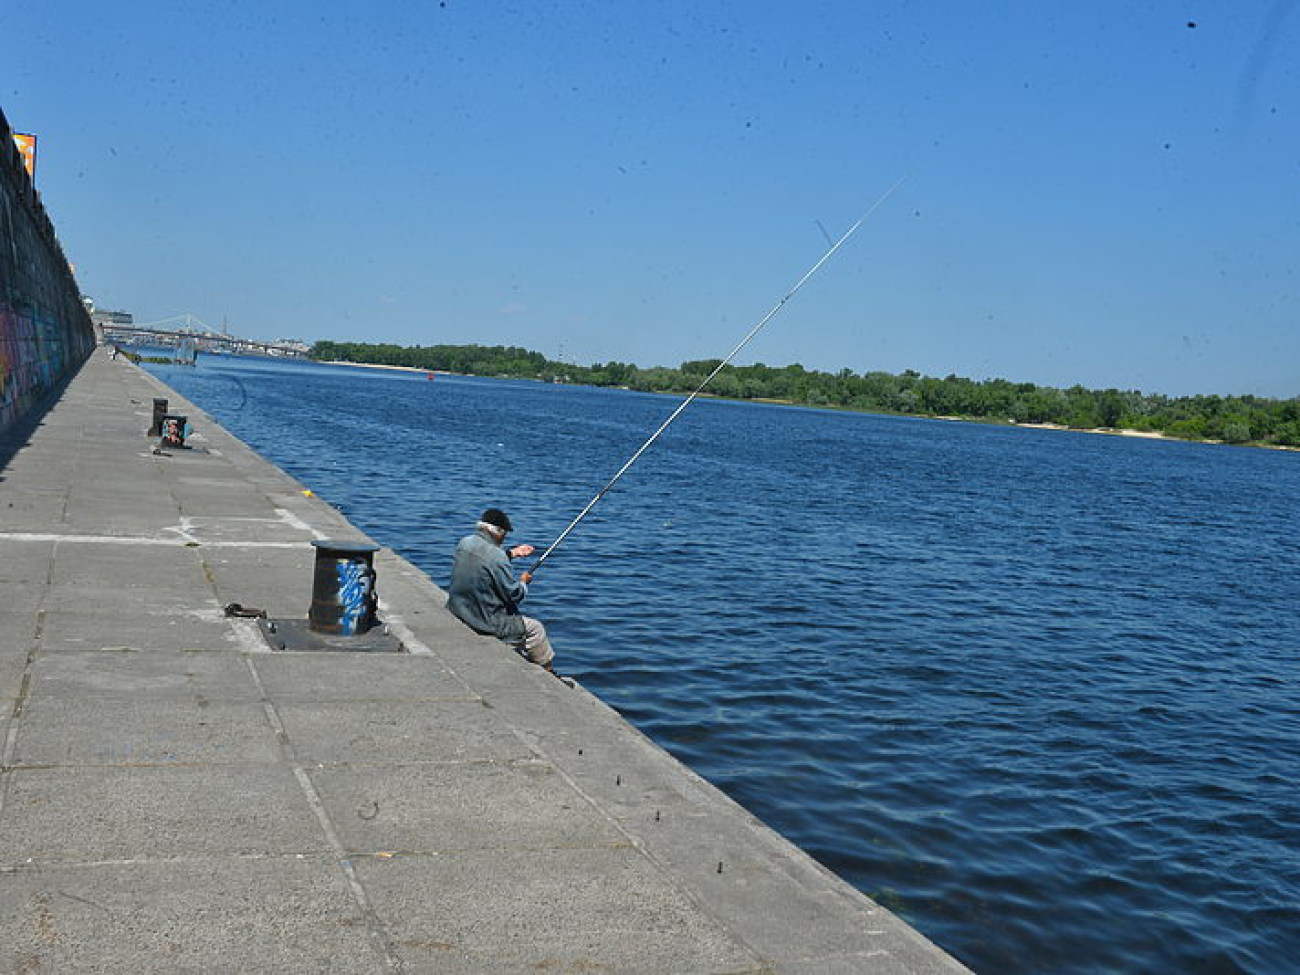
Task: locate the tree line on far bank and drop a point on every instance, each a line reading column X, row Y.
column 1233, row 419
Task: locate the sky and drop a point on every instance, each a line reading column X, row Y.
column 1104, row 194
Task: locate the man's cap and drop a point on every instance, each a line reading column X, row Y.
column 498, row 519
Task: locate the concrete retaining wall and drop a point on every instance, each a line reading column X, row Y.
column 45, row 330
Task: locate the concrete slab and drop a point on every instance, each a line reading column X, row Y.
column 326, row 520
column 107, row 731
column 287, row 560
column 100, row 521
column 388, row 732
column 282, row 593
column 12, row 668
column 564, row 910
column 29, row 481
column 632, row 779
column 99, row 517
column 110, row 600
column 18, row 622
column 435, row 808
column 25, row 563
column 149, row 675
column 227, row 498
column 234, row 915
column 156, row 812
column 155, row 567
column 261, row 529
column 778, row 899
column 134, row 624
column 134, row 485
column 28, row 511
column 399, row 677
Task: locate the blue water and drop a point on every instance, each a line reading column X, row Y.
column 1037, row 692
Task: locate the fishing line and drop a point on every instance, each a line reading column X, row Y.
column 243, row 391
column 708, row 379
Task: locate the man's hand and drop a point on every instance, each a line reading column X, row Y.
column 526, row 578
column 521, row 551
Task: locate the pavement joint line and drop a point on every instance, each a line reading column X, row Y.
column 192, row 763
column 11, row 735
column 455, row 851
column 67, row 499
column 49, row 584
column 360, row 896
column 10, row 746
column 32, row 865
column 144, row 540
column 447, row 763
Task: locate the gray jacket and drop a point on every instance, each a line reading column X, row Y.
column 485, row 594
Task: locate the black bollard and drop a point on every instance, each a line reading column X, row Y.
column 343, row 598
column 173, row 430
column 159, row 411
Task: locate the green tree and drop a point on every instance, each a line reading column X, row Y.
column 1236, row 429
column 1236, row 419
column 1110, row 407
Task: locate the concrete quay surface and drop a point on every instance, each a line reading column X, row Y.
column 176, row 797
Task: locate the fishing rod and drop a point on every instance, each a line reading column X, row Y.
column 708, row 379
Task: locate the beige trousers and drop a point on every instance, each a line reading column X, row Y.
column 535, row 645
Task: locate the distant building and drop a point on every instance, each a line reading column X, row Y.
column 102, row 316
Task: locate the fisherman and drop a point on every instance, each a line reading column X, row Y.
column 485, row 595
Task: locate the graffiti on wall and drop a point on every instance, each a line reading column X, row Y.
column 33, row 357
column 45, row 331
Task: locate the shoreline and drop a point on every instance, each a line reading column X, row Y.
column 1108, row 431
column 376, row 365
column 1140, row 434
column 1105, row 431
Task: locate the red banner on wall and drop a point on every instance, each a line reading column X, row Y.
column 27, row 146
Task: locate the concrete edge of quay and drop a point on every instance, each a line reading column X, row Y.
column 642, row 865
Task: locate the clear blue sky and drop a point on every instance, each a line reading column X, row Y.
column 1097, row 193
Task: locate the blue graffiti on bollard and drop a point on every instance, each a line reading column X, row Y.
column 354, row 593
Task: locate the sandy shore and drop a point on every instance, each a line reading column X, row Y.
column 1112, row 431
column 375, row 365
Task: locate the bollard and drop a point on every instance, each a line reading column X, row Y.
column 343, row 598
column 159, row 411
column 173, row 430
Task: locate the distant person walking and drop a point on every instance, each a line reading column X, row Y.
column 485, row 595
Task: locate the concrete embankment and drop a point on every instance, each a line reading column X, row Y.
column 45, row 330
column 174, row 796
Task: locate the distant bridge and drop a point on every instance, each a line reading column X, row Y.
column 188, row 327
